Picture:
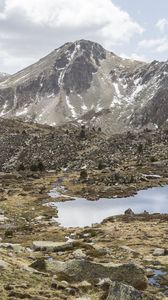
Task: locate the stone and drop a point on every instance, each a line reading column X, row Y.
column 3, row 265
column 159, row 252
column 150, row 272
column 104, row 283
column 120, row 291
column 84, row 285
column 14, row 247
column 128, row 249
column 51, row 246
column 77, row 270
column 129, row 212
column 59, row 285
column 40, row 218
column 29, row 269
column 79, row 253
column 3, row 218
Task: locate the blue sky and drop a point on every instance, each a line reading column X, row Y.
column 147, row 13
column 30, row 29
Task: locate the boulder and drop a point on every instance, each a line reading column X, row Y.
column 79, row 253
column 51, row 246
column 3, row 265
column 78, row 270
column 120, row 291
column 10, row 246
column 3, row 218
column 159, row 252
column 129, row 212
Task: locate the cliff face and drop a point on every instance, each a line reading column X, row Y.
column 83, row 82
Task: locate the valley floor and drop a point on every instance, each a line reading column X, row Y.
column 29, row 268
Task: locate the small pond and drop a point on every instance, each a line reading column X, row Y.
column 80, row 212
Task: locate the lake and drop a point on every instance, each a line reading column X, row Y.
column 81, row 212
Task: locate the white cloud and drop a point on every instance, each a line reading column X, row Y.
column 156, row 45
column 162, row 25
column 135, row 56
column 31, row 28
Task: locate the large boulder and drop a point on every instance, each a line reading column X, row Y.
column 51, row 246
column 120, row 291
column 78, row 270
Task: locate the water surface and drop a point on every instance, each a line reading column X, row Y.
column 80, row 212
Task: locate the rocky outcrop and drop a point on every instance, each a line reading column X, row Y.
column 3, row 76
column 78, row 270
column 32, row 147
column 119, row 291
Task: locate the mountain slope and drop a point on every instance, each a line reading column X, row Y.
column 3, row 76
column 83, row 82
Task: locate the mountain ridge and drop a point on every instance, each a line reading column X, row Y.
column 84, row 83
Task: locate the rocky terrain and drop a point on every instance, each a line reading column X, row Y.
column 83, row 82
column 124, row 257
column 3, row 76
column 96, row 127
column 123, row 158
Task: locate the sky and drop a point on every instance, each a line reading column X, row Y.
column 30, row 29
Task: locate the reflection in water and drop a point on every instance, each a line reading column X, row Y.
column 80, row 212
column 154, row 280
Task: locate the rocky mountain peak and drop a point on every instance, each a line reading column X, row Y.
column 84, row 83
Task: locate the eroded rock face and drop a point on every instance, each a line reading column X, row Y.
column 120, row 291
column 81, row 269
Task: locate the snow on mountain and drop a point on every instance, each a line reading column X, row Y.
column 83, row 82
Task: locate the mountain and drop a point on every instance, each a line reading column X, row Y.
column 84, row 83
column 3, row 76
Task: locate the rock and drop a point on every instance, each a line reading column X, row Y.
column 3, row 218
column 14, row 247
column 159, row 252
column 51, row 246
column 129, row 212
column 120, row 291
column 59, row 285
column 79, row 253
column 150, row 272
column 29, row 270
column 3, row 265
column 40, row 218
column 128, row 249
column 104, row 283
column 81, row 269
column 83, row 285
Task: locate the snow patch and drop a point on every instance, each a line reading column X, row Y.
column 74, row 115
column 117, row 90
column 51, row 95
column 115, row 102
column 3, row 109
column 138, row 89
column 60, row 79
column 23, row 112
column 83, row 106
column 137, row 81
column 98, row 108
